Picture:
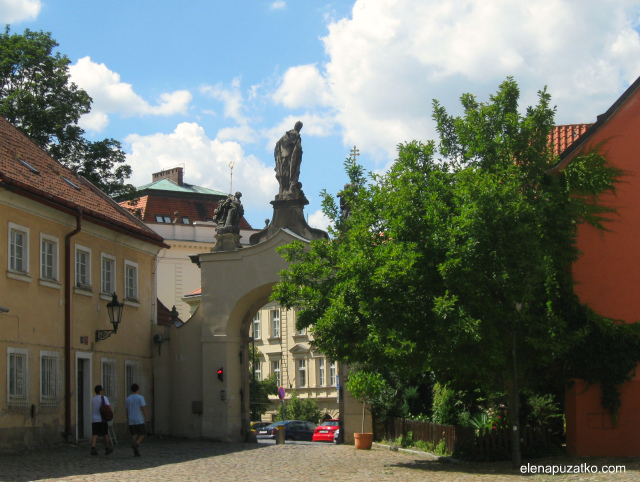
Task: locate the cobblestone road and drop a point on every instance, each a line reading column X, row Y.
column 177, row 460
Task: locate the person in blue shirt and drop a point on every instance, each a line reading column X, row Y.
column 137, row 417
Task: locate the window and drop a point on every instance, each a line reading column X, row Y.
column 275, row 324
column 275, row 368
column 332, row 374
column 49, row 377
column 48, row 257
column 108, row 379
column 258, row 370
column 17, row 376
column 256, row 326
column 130, row 376
column 163, row 219
column 107, row 275
column 302, row 373
column 83, row 267
column 301, row 332
column 18, row 248
column 185, row 220
column 321, row 373
column 130, row 280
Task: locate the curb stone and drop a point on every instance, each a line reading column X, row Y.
column 429, row 455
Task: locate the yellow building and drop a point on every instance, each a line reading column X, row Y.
column 68, row 248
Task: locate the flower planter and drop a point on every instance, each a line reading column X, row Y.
column 363, row 441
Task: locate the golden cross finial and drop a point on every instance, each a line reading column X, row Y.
column 354, row 154
column 231, row 164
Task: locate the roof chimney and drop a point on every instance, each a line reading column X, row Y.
column 174, row 174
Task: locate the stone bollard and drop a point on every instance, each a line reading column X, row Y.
column 280, row 435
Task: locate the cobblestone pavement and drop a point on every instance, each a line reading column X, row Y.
column 177, row 460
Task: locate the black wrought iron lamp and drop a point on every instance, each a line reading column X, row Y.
column 114, row 307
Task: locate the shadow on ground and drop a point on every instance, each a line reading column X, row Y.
column 68, row 460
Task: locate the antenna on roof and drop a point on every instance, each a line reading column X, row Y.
column 231, row 164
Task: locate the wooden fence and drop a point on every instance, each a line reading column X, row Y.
column 489, row 443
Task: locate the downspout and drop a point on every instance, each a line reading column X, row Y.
column 68, row 283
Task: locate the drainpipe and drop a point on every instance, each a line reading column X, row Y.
column 68, row 283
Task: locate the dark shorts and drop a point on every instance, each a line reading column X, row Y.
column 138, row 429
column 99, row 428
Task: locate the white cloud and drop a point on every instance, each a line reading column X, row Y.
column 231, row 98
column 12, row 11
column 278, row 5
column 206, row 163
column 390, row 58
column 303, row 86
column 110, row 95
column 312, row 125
column 318, row 220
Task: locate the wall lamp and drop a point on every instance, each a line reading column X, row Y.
column 4, row 310
column 115, row 317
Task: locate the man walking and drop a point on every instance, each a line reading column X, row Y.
column 137, row 417
column 99, row 427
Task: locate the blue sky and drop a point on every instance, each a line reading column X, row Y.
column 206, row 82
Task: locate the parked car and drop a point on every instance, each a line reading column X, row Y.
column 325, row 432
column 294, row 430
column 258, row 425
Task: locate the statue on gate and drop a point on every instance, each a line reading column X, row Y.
column 288, row 156
column 229, row 213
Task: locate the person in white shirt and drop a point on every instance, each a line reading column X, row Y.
column 137, row 417
column 99, row 428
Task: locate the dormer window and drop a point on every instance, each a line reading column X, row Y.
column 163, row 219
column 185, row 220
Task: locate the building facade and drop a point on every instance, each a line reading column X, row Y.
column 68, row 248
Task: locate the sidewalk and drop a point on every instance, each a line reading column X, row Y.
column 177, row 459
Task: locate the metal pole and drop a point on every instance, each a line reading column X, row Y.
column 515, row 441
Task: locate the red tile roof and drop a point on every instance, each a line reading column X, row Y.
column 49, row 182
column 164, row 315
column 194, row 209
column 563, row 136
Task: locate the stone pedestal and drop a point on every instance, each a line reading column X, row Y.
column 288, row 214
column 227, row 242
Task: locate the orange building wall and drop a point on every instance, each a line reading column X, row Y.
column 607, row 278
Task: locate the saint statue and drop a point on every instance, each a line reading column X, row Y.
column 288, row 156
column 229, row 213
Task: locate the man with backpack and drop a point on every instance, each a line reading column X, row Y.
column 99, row 426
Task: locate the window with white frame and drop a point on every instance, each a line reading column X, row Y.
column 48, row 257
column 301, row 332
column 107, row 274
column 275, row 369
column 258, row 370
column 18, row 248
column 332, row 374
column 302, row 373
column 130, row 376
column 17, row 376
column 49, row 377
column 321, row 373
column 83, row 267
column 131, row 280
column 275, row 323
column 108, row 378
column 256, row 326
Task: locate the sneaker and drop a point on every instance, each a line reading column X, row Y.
column 136, row 453
column 108, row 450
column 94, row 451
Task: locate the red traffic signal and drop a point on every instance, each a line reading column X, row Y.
column 220, row 374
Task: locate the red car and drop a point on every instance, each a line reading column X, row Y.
column 325, row 432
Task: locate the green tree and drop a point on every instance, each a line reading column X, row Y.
column 296, row 408
column 458, row 252
column 37, row 96
column 259, row 390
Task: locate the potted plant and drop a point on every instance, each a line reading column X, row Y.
column 364, row 386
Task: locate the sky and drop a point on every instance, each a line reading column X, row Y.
column 204, row 83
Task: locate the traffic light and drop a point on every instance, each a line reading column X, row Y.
column 220, row 374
